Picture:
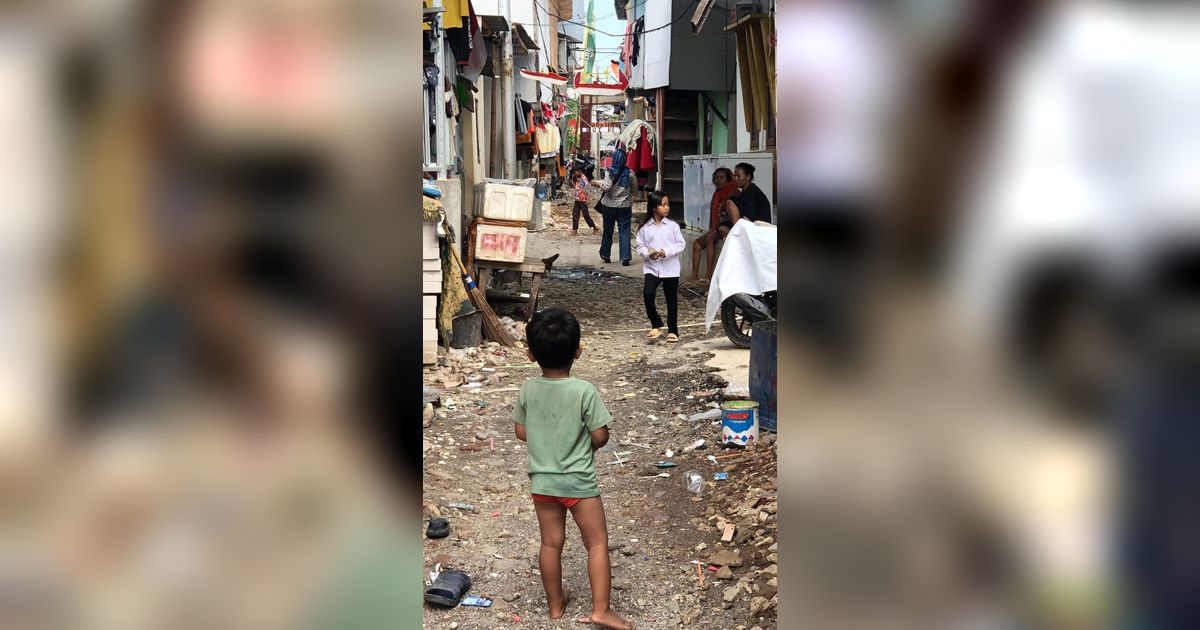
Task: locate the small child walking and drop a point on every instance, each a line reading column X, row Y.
column 563, row 421
column 581, row 202
column 660, row 241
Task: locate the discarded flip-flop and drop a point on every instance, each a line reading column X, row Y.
column 438, row 528
column 448, row 590
column 665, row 464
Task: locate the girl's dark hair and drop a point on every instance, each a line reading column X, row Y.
column 728, row 173
column 748, row 169
column 654, row 199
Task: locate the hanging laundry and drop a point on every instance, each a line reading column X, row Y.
column 547, row 140
column 627, row 48
column 479, row 54
column 630, row 135
column 519, row 110
column 638, row 28
column 430, row 85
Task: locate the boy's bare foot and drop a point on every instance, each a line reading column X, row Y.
column 607, row 619
column 555, row 614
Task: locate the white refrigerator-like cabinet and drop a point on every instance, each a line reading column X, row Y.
column 698, row 189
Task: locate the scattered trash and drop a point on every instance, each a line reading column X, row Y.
column 693, row 482
column 461, row 506
column 704, row 394
column 516, row 617
column 736, row 393
column 711, row 414
column 495, row 514
column 665, row 464
column 478, row 602
column 652, row 417
column 488, row 369
column 491, row 443
column 473, row 385
column 448, row 589
column 657, row 476
column 721, row 476
column 670, row 453
column 695, row 445
column 630, row 395
column 712, row 458
column 438, row 528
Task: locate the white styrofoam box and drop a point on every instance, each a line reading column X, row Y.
column 504, row 202
column 500, row 242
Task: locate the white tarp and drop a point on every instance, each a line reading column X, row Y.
column 747, row 264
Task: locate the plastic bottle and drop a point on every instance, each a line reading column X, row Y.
column 693, row 481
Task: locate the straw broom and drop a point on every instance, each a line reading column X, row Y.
column 492, row 327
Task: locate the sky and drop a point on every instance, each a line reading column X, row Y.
column 606, row 20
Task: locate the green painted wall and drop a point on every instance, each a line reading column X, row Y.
column 720, row 130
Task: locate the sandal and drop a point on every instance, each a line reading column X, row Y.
column 672, row 338
column 448, row 589
column 438, row 528
column 654, row 333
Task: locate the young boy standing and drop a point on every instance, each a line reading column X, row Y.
column 563, row 421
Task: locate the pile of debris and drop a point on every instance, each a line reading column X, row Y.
column 742, row 520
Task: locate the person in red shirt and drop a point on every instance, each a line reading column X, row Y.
column 718, row 225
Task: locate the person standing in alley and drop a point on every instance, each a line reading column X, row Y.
column 660, row 241
column 581, row 202
column 616, row 207
column 563, row 421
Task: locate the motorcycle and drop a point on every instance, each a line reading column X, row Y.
column 741, row 311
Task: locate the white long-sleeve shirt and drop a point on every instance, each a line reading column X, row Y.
column 667, row 236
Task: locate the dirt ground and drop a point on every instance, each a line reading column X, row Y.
column 657, row 528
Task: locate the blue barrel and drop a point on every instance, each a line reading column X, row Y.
column 764, row 370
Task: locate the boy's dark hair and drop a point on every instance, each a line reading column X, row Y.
column 748, row 169
column 553, row 336
column 576, row 170
column 728, row 173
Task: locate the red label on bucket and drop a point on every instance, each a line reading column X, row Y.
column 737, row 415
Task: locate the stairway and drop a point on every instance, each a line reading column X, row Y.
column 680, row 116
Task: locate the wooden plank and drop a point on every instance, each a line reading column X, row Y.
column 428, row 287
column 429, row 306
column 747, row 91
column 765, row 27
column 758, row 72
column 727, row 535
column 533, row 296
column 431, row 265
column 429, row 253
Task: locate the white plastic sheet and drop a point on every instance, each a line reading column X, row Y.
column 747, row 264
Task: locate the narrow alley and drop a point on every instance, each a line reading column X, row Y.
column 475, row 468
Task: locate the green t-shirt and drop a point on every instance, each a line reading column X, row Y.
column 559, row 415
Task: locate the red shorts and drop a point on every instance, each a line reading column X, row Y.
column 567, row 502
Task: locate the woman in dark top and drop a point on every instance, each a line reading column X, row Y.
column 751, row 204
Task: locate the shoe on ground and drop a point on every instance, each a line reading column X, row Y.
column 606, row 260
column 654, row 333
column 672, row 338
column 625, row 263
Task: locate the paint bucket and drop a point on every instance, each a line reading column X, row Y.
column 739, row 422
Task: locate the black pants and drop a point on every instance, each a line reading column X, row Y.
column 671, row 291
column 581, row 206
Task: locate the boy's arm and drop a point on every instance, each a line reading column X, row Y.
column 599, row 438
column 519, row 429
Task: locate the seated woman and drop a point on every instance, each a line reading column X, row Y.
column 751, row 203
column 718, row 226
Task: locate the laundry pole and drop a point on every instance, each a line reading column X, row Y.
column 508, row 96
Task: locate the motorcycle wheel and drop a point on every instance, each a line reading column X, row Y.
column 736, row 323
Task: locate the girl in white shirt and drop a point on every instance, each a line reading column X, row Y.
column 660, row 241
